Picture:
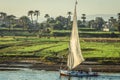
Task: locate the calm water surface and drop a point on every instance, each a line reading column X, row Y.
column 28, row 74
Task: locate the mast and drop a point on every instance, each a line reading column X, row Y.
column 74, row 57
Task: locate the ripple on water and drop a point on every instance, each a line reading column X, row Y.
column 28, row 74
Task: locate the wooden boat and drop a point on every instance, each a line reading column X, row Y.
column 78, row 73
column 75, row 56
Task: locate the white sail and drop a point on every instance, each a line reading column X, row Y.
column 74, row 57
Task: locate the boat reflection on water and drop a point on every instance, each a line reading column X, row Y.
column 103, row 76
column 65, row 78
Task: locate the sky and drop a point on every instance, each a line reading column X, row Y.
column 60, row 7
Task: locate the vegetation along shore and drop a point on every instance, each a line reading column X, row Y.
column 101, row 54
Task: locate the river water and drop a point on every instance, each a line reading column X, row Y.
column 28, row 74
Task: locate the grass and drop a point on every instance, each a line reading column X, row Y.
column 44, row 47
column 7, row 40
column 100, row 49
column 54, row 51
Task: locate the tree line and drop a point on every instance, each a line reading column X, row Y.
column 30, row 22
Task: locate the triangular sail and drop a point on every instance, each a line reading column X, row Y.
column 74, row 57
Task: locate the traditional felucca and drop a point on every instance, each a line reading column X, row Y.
column 75, row 56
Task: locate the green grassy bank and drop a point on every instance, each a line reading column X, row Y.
column 94, row 49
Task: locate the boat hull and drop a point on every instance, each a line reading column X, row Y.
column 78, row 74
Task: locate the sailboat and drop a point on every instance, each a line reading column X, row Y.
column 75, row 56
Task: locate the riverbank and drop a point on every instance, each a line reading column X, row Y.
column 55, row 67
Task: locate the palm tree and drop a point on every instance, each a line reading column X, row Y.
column 10, row 19
column 47, row 25
column 69, row 15
column 113, row 21
column 83, row 17
column 99, row 21
column 91, row 24
column 47, row 16
column 69, row 18
column 3, row 16
column 119, row 22
column 30, row 13
column 36, row 13
column 118, row 16
column 24, row 20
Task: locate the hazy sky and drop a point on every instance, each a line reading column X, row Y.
column 59, row 7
